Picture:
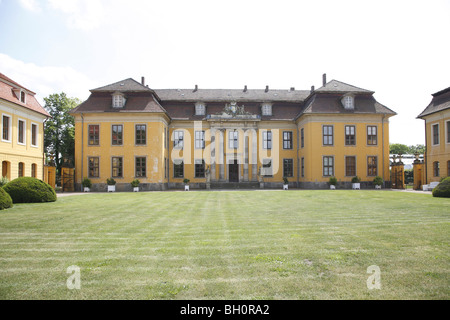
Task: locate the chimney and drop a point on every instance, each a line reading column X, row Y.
column 143, row 81
column 267, row 89
column 245, row 88
column 292, row 89
column 196, row 88
column 312, row 89
column 324, row 79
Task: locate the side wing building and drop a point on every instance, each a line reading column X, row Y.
column 22, row 131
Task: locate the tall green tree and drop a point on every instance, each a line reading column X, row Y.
column 398, row 148
column 419, row 148
column 59, row 130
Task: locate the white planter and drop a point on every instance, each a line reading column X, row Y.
column 135, row 189
column 285, row 186
column 86, row 189
column 378, row 187
column 332, row 187
column 186, row 187
column 111, row 188
column 356, row 186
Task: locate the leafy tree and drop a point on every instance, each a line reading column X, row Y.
column 397, row 148
column 59, row 130
column 420, row 148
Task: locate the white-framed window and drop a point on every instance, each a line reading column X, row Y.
column 435, row 134
column 266, row 109
column 350, row 135
column 199, row 139
column 348, row 102
column 118, row 100
column 34, row 134
column 372, row 135
column 267, row 139
column 328, row 166
column 140, row 167
column 200, row 109
column 21, row 132
column 178, row 138
column 6, row 128
column 287, row 140
column 178, row 168
column 328, row 136
column 267, row 169
column 233, row 139
column 23, row 96
column 447, row 124
column 199, row 168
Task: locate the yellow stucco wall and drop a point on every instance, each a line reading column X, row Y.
column 11, row 151
column 160, row 153
column 314, row 150
column 189, row 153
column 437, row 152
column 154, row 150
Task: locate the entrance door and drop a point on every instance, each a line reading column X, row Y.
column 233, row 171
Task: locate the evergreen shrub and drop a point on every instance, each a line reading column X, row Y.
column 442, row 189
column 5, row 200
column 30, row 190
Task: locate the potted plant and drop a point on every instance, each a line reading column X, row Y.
column 356, row 183
column 87, row 184
column 111, row 184
column 135, row 185
column 186, row 184
column 332, row 181
column 285, row 183
column 378, row 182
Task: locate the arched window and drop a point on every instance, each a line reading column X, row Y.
column 21, row 169
column 6, row 167
column 436, row 168
column 34, row 170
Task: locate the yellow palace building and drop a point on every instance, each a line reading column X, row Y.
column 22, row 131
column 437, row 136
column 237, row 138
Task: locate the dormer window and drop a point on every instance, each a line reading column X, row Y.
column 118, row 100
column 23, row 97
column 200, row 109
column 348, row 102
column 20, row 94
column 266, row 109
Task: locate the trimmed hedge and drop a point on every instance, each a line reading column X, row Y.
column 29, row 190
column 5, row 200
column 442, row 189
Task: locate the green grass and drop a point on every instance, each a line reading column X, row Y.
column 293, row 244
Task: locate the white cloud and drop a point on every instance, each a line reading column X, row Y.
column 46, row 80
column 82, row 14
column 32, row 5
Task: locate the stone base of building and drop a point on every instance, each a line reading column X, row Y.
column 125, row 187
column 368, row 185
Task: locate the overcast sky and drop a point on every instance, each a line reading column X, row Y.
column 399, row 49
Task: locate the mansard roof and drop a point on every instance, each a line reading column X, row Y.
column 440, row 102
column 227, row 95
column 179, row 103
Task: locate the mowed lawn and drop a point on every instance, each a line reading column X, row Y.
column 294, row 244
